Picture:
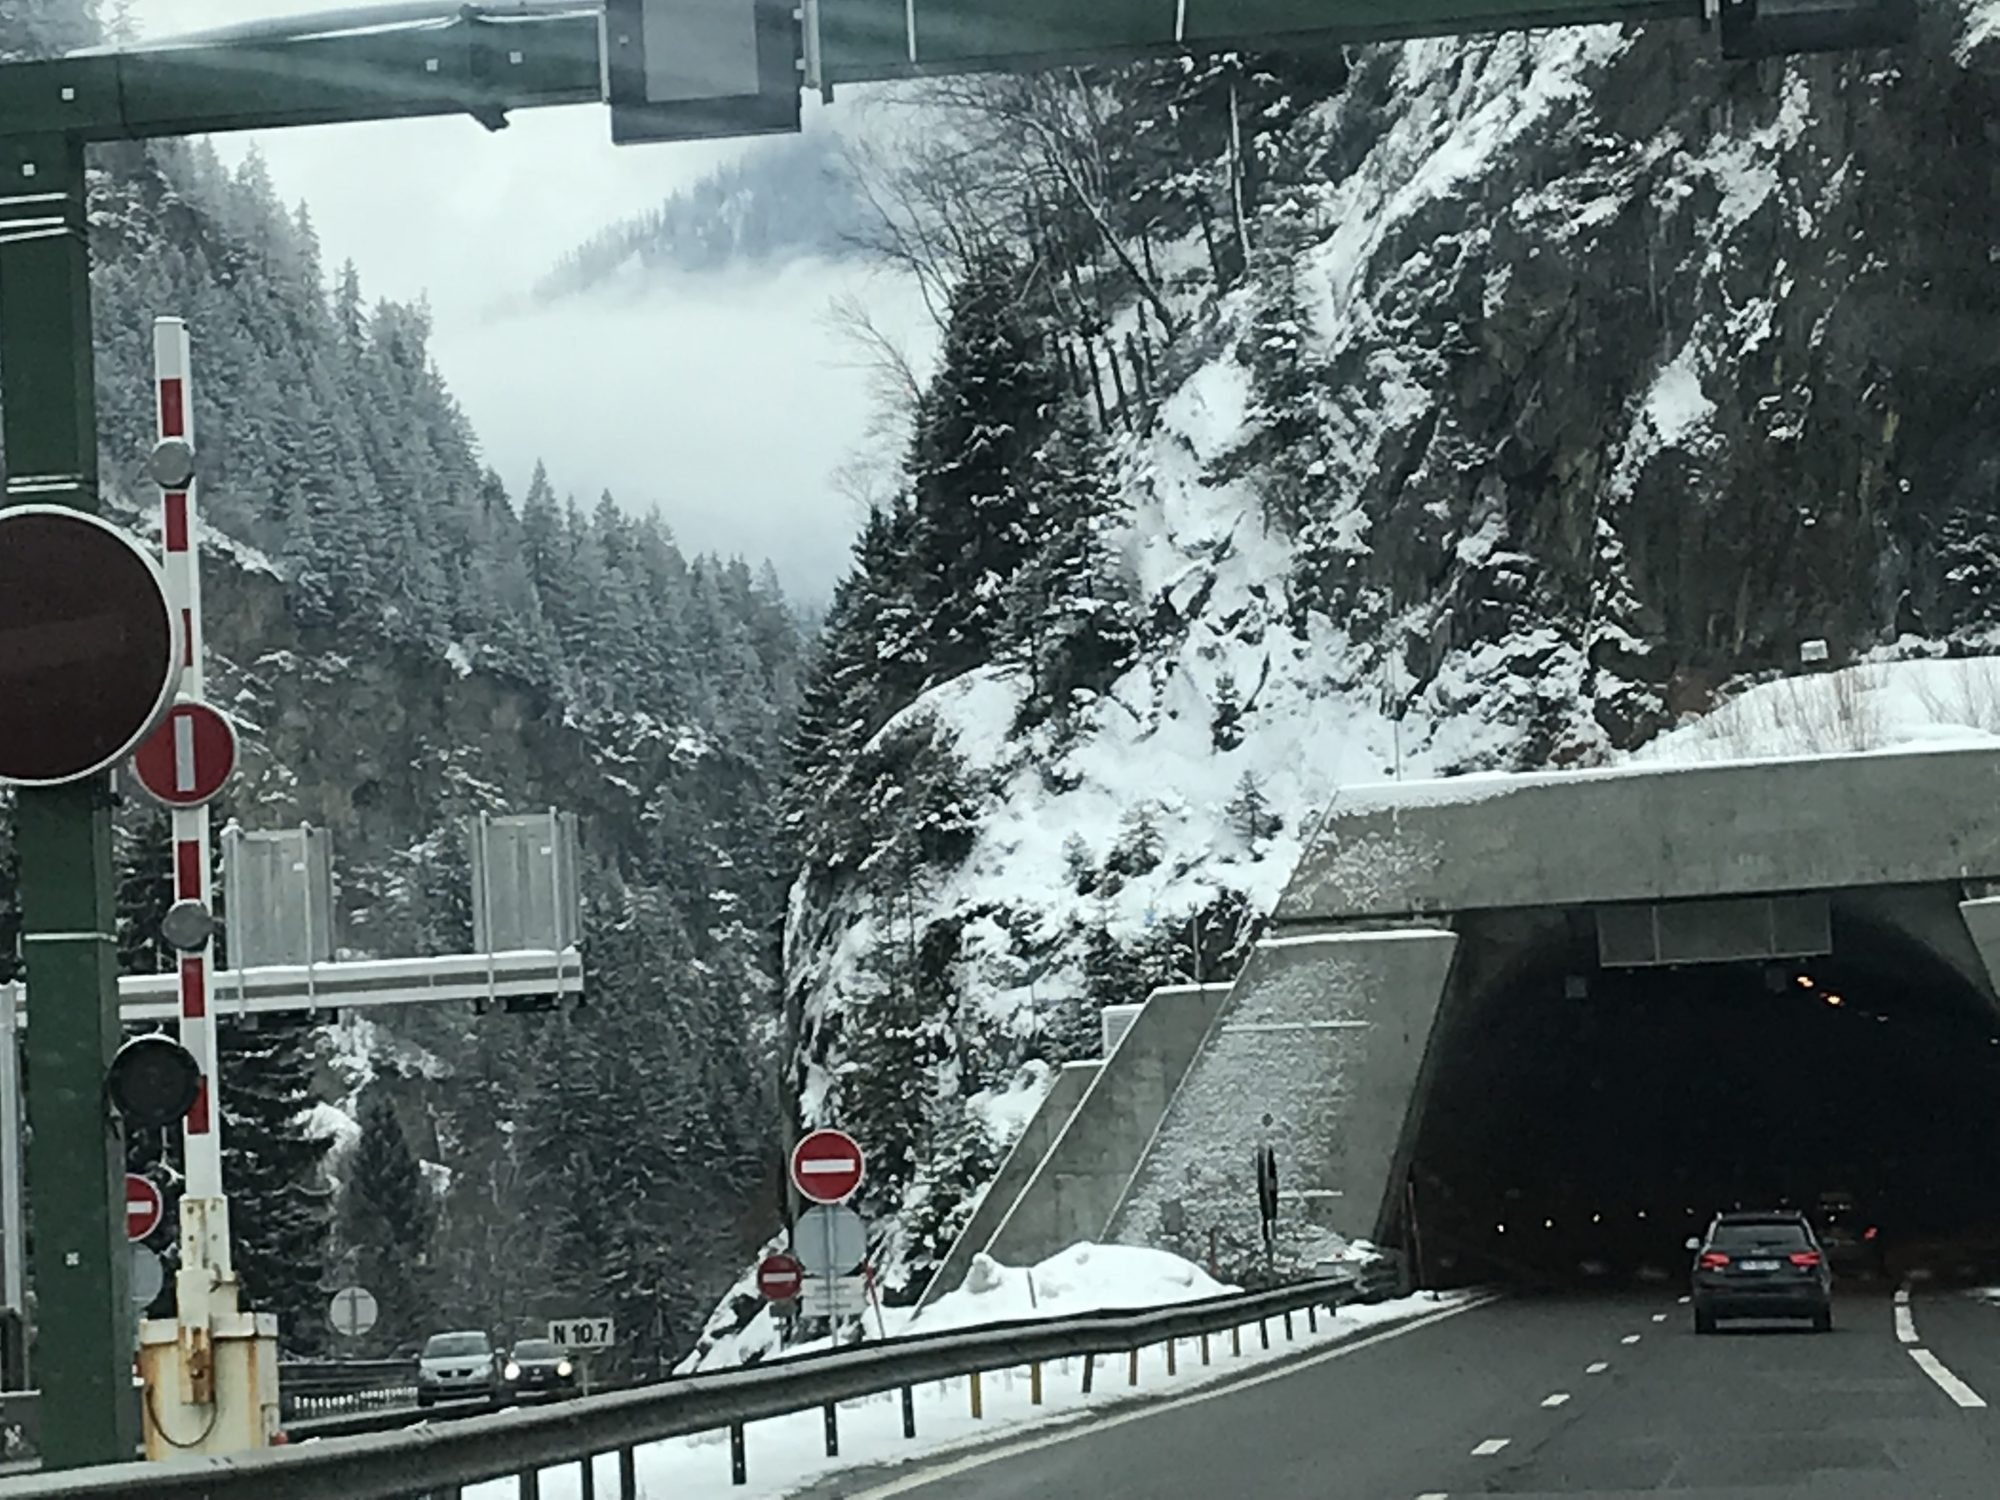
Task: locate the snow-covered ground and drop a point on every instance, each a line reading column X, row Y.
column 1877, row 705
column 788, row 1453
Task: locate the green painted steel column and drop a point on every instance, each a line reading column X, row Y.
column 82, row 1359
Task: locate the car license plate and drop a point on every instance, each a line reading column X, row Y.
column 1760, row 1265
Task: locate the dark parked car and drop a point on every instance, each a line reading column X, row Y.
column 457, row 1365
column 538, row 1367
column 1761, row 1265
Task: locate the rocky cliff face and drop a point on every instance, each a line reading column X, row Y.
column 1569, row 382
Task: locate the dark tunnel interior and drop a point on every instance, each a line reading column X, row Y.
column 1574, row 1138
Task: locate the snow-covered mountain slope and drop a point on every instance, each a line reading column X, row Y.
column 1576, row 381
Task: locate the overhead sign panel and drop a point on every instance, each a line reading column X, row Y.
column 679, row 70
column 869, row 39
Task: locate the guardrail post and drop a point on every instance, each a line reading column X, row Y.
column 739, row 1467
column 587, row 1487
column 1132, row 1371
column 1035, row 1383
column 1170, row 1357
column 628, row 1475
column 1236, row 1342
column 909, row 1412
column 531, row 1484
column 1264, row 1332
column 1204, row 1348
column 1288, row 1325
column 1312, row 1317
column 1089, row 1371
column 832, row 1429
column 978, row 1405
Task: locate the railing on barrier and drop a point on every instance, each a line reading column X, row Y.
column 412, row 1463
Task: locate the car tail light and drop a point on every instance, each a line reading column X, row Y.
column 1713, row 1260
column 1805, row 1257
column 1868, row 1233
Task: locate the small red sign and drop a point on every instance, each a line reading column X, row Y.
column 143, row 1206
column 187, row 760
column 779, row 1276
column 826, row 1166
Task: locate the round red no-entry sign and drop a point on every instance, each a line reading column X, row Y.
column 143, row 1206
column 186, row 761
column 90, row 651
column 779, row 1276
column 826, row 1166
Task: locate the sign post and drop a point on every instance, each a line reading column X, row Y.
column 63, row 835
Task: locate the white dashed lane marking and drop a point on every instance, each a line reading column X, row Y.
column 1556, row 1400
column 1947, row 1382
column 1490, row 1447
column 1902, row 1296
column 1597, row 1369
column 1906, row 1326
column 1630, row 1338
column 1659, row 1317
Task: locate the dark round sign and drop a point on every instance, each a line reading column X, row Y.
column 153, row 1081
column 90, row 651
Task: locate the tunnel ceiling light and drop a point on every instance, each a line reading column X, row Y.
column 1833, row 1000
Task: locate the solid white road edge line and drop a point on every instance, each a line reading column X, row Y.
column 1078, row 1428
column 1906, row 1326
column 1598, row 1368
column 1490, row 1447
column 1947, row 1382
column 1433, row 1495
column 1556, row 1400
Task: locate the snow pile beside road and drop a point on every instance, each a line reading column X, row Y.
column 787, row 1454
column 1082, row 1279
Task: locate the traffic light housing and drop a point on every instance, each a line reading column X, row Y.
column 681, row 70
column 153, row 1081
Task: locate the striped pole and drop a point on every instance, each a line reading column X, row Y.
column 204, row 1210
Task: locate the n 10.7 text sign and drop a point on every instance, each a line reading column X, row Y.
column 582, row 1334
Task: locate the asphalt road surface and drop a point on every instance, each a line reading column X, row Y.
column 1607, row 1397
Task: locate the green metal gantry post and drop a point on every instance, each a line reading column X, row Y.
column 76, row 1154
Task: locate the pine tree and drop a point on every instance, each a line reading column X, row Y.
column 144, row 855
column 979, row 426
column 281, row 1205
column 1226, row 715
column 387, row 1222
column 1071, row 617
column 1249, row 812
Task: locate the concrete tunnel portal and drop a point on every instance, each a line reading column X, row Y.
column 1537, row 1029
column 1578, row 1121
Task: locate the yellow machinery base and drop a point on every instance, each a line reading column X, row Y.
column 244, row 1414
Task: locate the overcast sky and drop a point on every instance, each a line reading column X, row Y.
column 725, row 401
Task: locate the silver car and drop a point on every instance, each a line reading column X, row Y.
column 454, row 1366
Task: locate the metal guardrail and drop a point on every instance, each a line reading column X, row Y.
column 415, row 1462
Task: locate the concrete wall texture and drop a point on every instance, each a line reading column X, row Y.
column 1634, row 834
column 1066, row 1091
column 1077, row 1185
column 1325, row 1034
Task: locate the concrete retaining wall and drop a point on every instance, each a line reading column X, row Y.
column 1324, row 1033
column 1072, row 1082
column 1073, row 1192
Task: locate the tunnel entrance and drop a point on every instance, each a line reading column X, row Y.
column 1581, row 1122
